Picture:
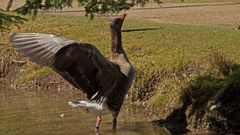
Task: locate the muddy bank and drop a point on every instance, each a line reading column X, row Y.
column 19, row 73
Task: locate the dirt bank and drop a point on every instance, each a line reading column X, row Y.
column 187, row 13
column 209, row 102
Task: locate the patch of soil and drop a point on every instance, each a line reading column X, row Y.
column 187, row 13
column 224, row 13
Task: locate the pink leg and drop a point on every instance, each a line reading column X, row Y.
column 98, row 121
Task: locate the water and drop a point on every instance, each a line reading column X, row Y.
column 33, row 112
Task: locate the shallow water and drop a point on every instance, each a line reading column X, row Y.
column 33, row 112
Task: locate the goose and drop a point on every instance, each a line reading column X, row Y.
column 105, row 81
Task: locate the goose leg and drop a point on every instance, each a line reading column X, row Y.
column 98, row 121
column 114, row 124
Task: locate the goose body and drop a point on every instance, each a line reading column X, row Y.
column 106, row 82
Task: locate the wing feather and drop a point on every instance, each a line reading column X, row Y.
column 80, row 64
column 41, row 48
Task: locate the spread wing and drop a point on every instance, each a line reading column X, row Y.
column 79, row 63
column 40, row 48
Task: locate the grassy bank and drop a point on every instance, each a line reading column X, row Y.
column 149, row 45
column 166, row 56
column 146, row 42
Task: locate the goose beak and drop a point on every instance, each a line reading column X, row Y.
column 122, row 17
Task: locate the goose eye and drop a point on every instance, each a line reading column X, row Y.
column 117, row 22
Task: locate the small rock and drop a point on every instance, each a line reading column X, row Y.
column 22, row 70
column 62, row 115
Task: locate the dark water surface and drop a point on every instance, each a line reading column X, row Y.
column 40, row 113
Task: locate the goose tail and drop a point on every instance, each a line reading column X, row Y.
column 89, row 106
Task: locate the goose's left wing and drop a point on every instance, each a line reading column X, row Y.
column 40, row 48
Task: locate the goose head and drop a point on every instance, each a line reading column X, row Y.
column 117, row 23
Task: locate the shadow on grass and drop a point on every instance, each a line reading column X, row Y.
column 143, row 29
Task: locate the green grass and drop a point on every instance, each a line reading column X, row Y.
column 32, row 73
column 164, row 44
column 150, row 45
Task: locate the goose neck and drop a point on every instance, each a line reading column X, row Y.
column 116, row 38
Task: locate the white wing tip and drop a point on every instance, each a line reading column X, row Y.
column 78, row 104
column 72, row 104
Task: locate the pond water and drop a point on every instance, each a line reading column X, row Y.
column 33, row 112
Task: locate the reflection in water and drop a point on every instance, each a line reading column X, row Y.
column 27, row 112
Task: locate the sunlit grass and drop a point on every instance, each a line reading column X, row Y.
column 149, row 45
